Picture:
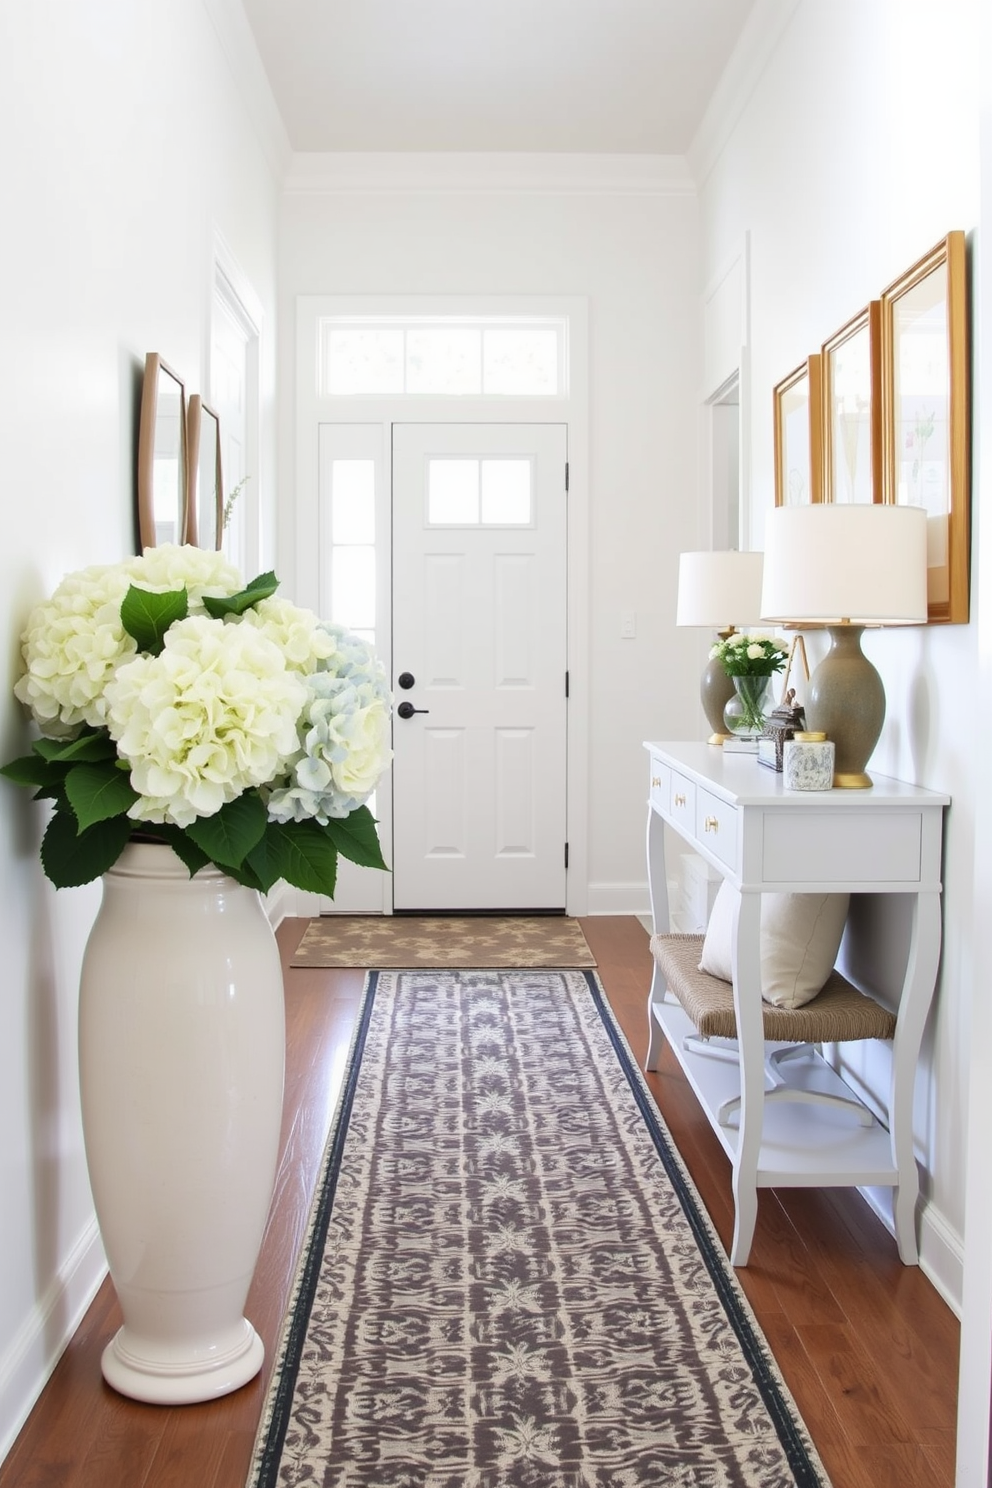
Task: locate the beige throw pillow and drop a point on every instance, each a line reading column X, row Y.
column 800, row 938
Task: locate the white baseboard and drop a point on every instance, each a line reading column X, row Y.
column 35, row 1350
column 941, row 1248
column 619, row 899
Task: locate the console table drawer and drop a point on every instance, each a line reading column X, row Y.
column 682, row 802
column 661, row 784
column 861, row 847
column 716, row 827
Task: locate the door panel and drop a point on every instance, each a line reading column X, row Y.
column 479, row 620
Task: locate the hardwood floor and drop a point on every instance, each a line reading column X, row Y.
column 866, row 1345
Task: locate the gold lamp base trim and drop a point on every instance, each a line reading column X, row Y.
column 855, row 781
column 718, row 738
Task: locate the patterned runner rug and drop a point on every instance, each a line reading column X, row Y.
column 380, row 941
column 509, row 1280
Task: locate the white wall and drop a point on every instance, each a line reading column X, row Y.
column 631, row 250
column 857, row 149
column 123, row 146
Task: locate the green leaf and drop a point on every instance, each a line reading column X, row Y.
column 147, row 616
column 229, row 835
column 244, row 874
column 97, row 792
column 71, row 858
column 262, row 587
column 302, row 853
column 31, row 770
column 355, row 837
column 193, row 857
column 93, row 745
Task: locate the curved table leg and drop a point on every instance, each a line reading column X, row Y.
column 658, row 888
column 917, row 993
column 751, row 1047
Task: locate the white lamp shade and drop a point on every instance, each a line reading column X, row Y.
column 826, row 563
column 719, row 590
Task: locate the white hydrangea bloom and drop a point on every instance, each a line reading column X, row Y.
column 72, row 646
column 755, row 650
column 199, row 571
column 344, row 737
column 303, row 640
column 213, row 715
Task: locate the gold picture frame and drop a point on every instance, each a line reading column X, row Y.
column 798, row 440
column 926, row 415
column 851, row 375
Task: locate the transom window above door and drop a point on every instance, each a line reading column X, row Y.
column 446, row 357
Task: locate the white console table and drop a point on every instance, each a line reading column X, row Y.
column 887, row 840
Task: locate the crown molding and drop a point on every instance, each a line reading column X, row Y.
column 763, row 30
column 237, row 42
column 363, row 174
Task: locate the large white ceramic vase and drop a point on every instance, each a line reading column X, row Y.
column 182, row 1045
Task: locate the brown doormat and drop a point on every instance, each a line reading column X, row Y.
column 376, row 942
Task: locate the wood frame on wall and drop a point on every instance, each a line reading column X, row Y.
column 152, row 502
column 930, row 302
column 862, row 480
column 204, row 513
column 801, row 389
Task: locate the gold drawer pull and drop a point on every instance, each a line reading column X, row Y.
column 679, row 799
column 711, row 824
column 655, row 780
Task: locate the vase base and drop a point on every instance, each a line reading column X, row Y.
column 168, row 1378
column 718, row 738
column 852, row 780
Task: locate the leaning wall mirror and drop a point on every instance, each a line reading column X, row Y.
column 205, row 489
column 162, row 469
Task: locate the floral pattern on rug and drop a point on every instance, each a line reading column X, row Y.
column 511, row 1292
column 443, row 941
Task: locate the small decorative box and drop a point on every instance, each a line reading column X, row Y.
column 808, row 763
column 783, row 722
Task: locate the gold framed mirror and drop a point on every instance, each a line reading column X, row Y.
column 162, row 457
column 926, row 413
column 204, row 485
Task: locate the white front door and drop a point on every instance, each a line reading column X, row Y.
column 479, row 655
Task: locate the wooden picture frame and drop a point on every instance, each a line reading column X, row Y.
column 205, row 486
column 926, row 419
column 851, row 374
column 162, row 456
column 798, row 440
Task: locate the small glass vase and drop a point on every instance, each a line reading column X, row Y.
column 747, row 711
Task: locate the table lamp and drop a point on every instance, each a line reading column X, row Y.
column 846, row 567
column 720, row 591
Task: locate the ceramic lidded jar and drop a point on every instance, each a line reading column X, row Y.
column 808, row 762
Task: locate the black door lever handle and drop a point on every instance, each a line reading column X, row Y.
column 407, row 710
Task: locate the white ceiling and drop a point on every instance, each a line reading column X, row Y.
column 597, row 76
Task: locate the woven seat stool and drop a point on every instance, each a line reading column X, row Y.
column 839, row 1014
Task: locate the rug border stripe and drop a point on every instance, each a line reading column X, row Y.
column 801, row 1454
column 275, row 1419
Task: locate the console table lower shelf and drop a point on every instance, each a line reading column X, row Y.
column 803, row 1144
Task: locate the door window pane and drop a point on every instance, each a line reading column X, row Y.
column 506, row 492
column 444, row 359
column 353, row 501
column 452, row 492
